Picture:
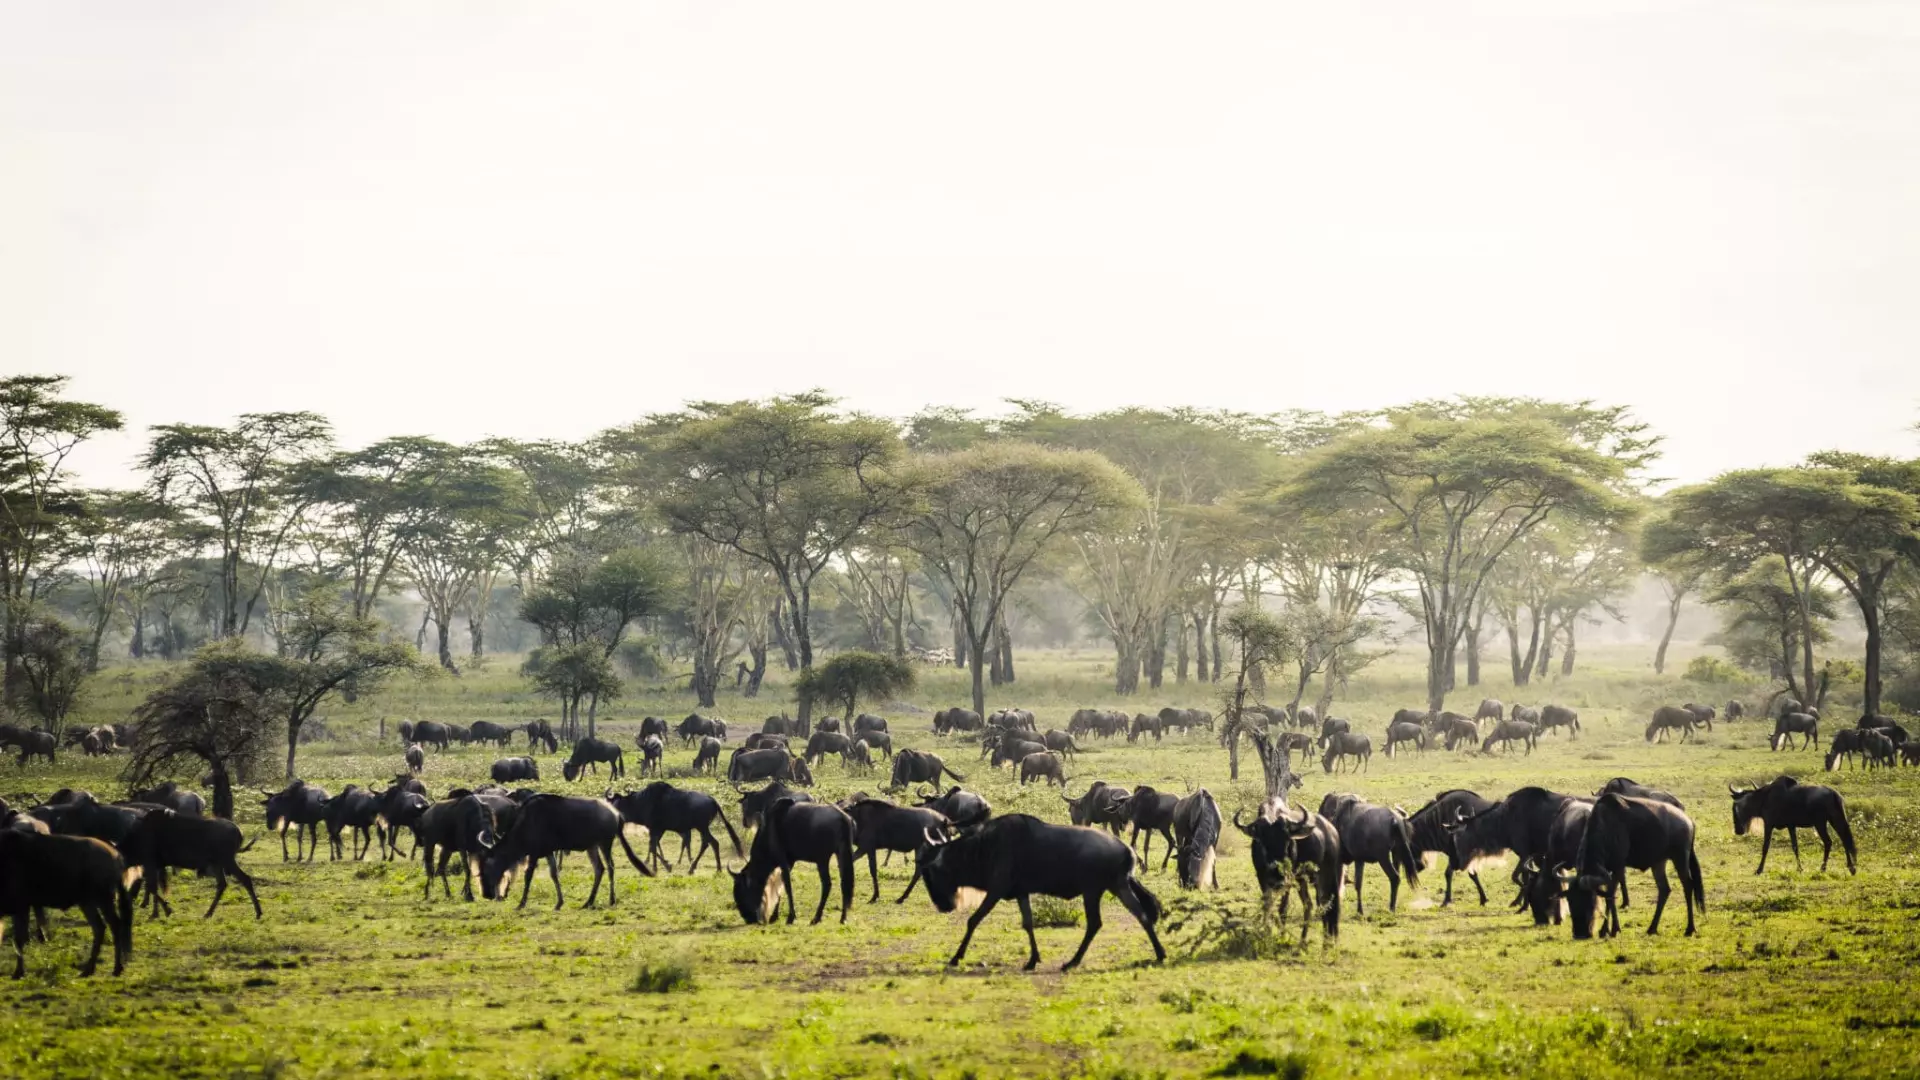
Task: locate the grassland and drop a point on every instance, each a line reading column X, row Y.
column 352, row 974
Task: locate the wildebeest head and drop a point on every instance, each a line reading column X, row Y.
column 1747, row 807
column 802, row 775
column 940, row 862
column 757, row 897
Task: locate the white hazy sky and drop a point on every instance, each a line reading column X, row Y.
column 542, row 219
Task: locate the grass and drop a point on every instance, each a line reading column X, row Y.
column 352, row 973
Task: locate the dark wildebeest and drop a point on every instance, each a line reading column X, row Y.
column 821, row 743
column 1302, row 854
column 1018, row 856
column 652, row 749
column 768, row 765
column 460, row 733
column 1910, row 752
column 1788, row 804
column 652, row 725
column 1702, row 714
column 1406, row 733
column 32, row 743
column 354, row 808
column 1060, row 742
column 540, row 733
column 1845, row 744
column 1518, row 823
column 962, row 807
column 879, row 740
column 416, row 759
column 1525, row 712
column 696, row 726
column 1012, row 750
column 859, row 757
column 401, row 805
column 1103, row 805
column 918, row 767
column 1539, row 876
column 1886, row 726
column 1455, row 730
column 948, row 721
column 879, row 825
column 661, row 808
column 1430, row 833
column 1347, row 744
column 707, row 758
column 1621, row 785
column 173, row 797
column 1490, row 709
column 1012, row 720
column 302, row 806
column 406, row 732
column 432, row 733
column 550, row 825
column 1144, row 724
column 760, row 740
column 1668, row 718
column 1559, row 716
column 513, row 770
column 1332, row 726
column 469, row 824
column 1735, row 710
column 1640, row 834
column 1041, row 765
column 164, row 840
column 1508, row 732
column 1185, row 719
column 1290, row 742
column 1805, row 725
column 1196, row 836
column 486, row 731
column 753, row 804
column 779, row 725
column 828, row 723
column 1151, row 811
column 795, row 832
column 866, row 722
column 1373, row 834
column 41, row 871
column 588, row 752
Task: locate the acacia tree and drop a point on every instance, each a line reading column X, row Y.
column 992, row 512
column 1260, row 641
column 1761, row 624
column 370, row 504
column 848, row 677
column 587, row 602
column 460, row 526
column 206, row 719
column 124, row 537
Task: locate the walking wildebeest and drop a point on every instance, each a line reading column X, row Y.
column 539, row 732
column 513, row 770
column 1144, row 724
column 795, row 832
column 652, row 750
column 707, row 758
column 1102, row 805
column 661, row 808
column 401, row 805
column 1041, row 765
column 303, row 807
column 753, row 804
column 1196, row 836
column 1805, row 725
column 948, row 721
column 432, row 733
column 1871, row 744
column 1667, row 718
column 1406, row 733
column 1303, row 853
column 32, row 742
column 486, row 731
column 1640, row 834
column 1347, row 744
column 354, row 808
column 696, row 726
column 588, row 752
column 879, row 825
column 164, row 840
column 1490, row 709
column 1430, row 833
column 173, row 797
column 1788, row 804
column 1508, row 732
column 879, row 740
column 1017, row 856
column 768, row 764
column 548, row 826
column 822, row 743
column 962, row 807
column 416, row 759
column 1559, row 716
column 46, row 871
column 1151, row 812
column 918, row 767
column 1373, row 834
column 1702, row 714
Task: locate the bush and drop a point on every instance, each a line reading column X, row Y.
column 1712, row 669
column 663, row 977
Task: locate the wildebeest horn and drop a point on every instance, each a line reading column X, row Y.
column 1237, row 825
column 1734, row 791
column 485, row 838
column 933, row 840
column 1302, row 819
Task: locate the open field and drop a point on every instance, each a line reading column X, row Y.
column 351, row 973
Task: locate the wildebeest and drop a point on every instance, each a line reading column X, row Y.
column 1702, row 714
column 31, row 742
column 760, row 740
column 962, row 807
column 696, row 726
column 1011, row 720
column 879, row 740
column 1805, row 725
column 866, row 722
column 1518, row 823
column 1788, row 804
column 1734, row 709
column 1303, row 853
column 164, row 840
column 1456, row 730
column 652, row 750
column 303, row 807
column 173, row 797
column 1373, row 834
column 1144, row 724
column 1559, row 716
column 858, row 757
column 1910, row 752
column 431, row 733
column 827, row 723
column 795, row 832
column 753, row 804
column 354, row 808
column 918, row 767
column 1430, row 833
column 540, row 733
column 1018, row 856
column 1059, row 742
column 1041, row 765
column 1185, row 719
column 486, row 731
column 1102, row 805
column 40, row 871
column 513, row 770
column 1508, row 732
column 1196, row 836
column 1405, row 733
column 1151, row 811
column 1332, row 726
column 662, row 808
column 1621, row 785
column 769, row 764
column 1347, row 744
column 879, row 825
column 948, row 721
column 1011, row 750
column 707, row 758
column 1490, row 709
column 550, row 825
column 1641, row 834
column 779, row 725
column 652, row 725
column 416, row 759
column 468, row 824
column 821, row 743
column 1668, row 718
column 1525, row 712
column 401, row 805
column 406, row 732
column 1540, row 880
column 588, row 752
column 460, row 733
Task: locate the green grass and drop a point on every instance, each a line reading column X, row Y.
column 352, row 973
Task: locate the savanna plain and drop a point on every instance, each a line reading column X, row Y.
column 352, row 973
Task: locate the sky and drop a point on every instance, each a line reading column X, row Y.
column 544, row 219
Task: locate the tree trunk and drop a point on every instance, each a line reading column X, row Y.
column 1438, row 662
column 1870, row 690
column 759, row 669
column 222, row 791
column 293, row 747
column 705, row 682
column 1006, row 652
column 1566, row 659
column 1513, row 651
column 477, row 634
column 137, row 645
column 1126, row 668
column 1156, row 662
column 1546, row 652
column 959, row 645
column 593, row 710
column 444, row 635
column 1673, row 620
column 1213, row 633
column 420, row 638
column 1180, row 650
column 782, row 638
column 977, row 676
column 1200, row 647
column 1473, row 656
column 1525, row 675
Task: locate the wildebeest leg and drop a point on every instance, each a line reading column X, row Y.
column 1093, row 925
column 593, row 856
column 446, row 856
column 1359, row 904
column 1134, row 840
column 1793, row 837
column 1393, row 883
column 283, row 843
column 1625, row 900
column 99, row 925
column 1026, row 923
column 911, row 882
column 1766, row 842
column 1826, row 845
column 1660, row 902
column 973, row 921
column 313, row 840
column 219, row 890
column 246, row 882
column 526, row 885
column 40, row 925
column 1167, row 835
column 786, row 876
column 22, row 918
column 826, row 890
column 553, row 871
column 1474, row 875
column 873, row 869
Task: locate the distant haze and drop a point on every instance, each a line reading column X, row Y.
column 543, row 219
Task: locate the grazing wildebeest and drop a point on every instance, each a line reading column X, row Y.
column 779, row 725
column 1303, row 853
column 486, row 731
column 879, row 740
column 652, row 725
column 432, row 733
column 1845, row 744
column 696, row 726
column 962, row 807
column 460, row 733
column 406, row 732
column 823, row 742
column 795, row 832
column 948, row 721
column 1406, row 733
column 707, row 758
column 918, row 767
column 1041, row 765
column 1539, row 876
column 32, row 742
column 1012, row 720
column 1879, row 746
column 1347, row 744
column 1430, row 833
column 1490, row 709
column 879, row 825
column 164, row 840
column 866, row 722
column 513, row 770
column 1196, row 836
column 1788, row 804
column 1553, row 717
column 859, row 757
column 1886, row 726
column 769, row 764
column 1017, row 856
column 302, row 806
column 1373, row 834
column 354, row 808
column 1702, row 714
column 652, row 750
column 1332, row 726
column 1011, row 750
column 1805, row 725
column 761, row 741
column 588, row 752
column 1144, row 724
column 1060, row 742
column 1456, row 730
column 1640, row 834
column 468, row 824
column 1621, row 785
column 1103, row 805
column 1525, row 712
column 753, row 804
column 1518, row 823
column 1151, row 811
column 661, row 808
column 1508, row 732
column 173, row 797
column 40, row 871
column 416, row 759
column 539, row 732
column 1668, row 718
column 550, row 825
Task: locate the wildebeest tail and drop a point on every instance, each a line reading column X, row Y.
column 1148, row 902
column 1403, row 851
column 1846, row 833
column 958, row 779
column 1699, row 883
column 638, row 863
column 731, row 835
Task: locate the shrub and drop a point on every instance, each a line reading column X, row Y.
column 663, row 977
column 1712, row 669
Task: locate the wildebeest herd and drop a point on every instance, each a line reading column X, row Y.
column 1571, row 852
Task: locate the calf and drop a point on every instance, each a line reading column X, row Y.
column 588, row 753
column 41, row 871
column 661, row 808
column 795, row 832
column 879, row 825
column 549, row 825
